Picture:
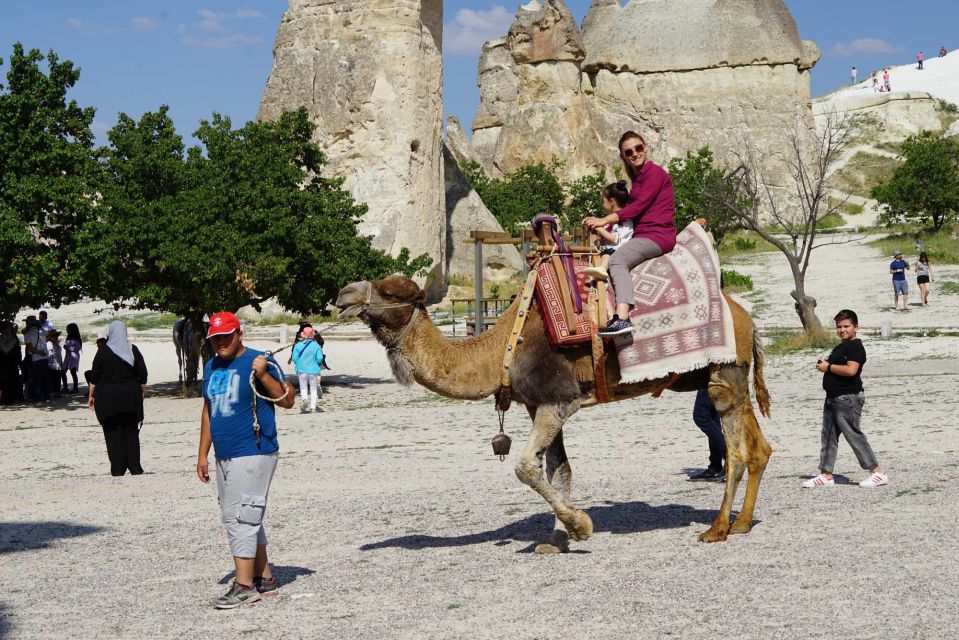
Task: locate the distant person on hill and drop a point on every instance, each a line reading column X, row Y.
column 885, row 81
column 612, row 236
column 854, row 74
column 942, row 52
column 842, row 411
column 919, row 60
column 875, row 82
column 900, row 286
column 923, row 277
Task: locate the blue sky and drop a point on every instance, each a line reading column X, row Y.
column 203, row 56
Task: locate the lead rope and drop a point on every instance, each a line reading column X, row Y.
column 257, row 394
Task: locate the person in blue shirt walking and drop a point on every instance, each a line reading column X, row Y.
column 900, row 286
column 245, row 457
column 308, row 361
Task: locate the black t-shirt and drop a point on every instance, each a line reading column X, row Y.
column 836, row 385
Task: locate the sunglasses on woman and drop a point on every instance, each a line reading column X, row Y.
column 630, row 152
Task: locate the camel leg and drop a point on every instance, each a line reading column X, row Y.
column 559, row 473
column 729, row 390
column 546, row 426
column 758, row 452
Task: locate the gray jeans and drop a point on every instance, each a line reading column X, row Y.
column 841, row 415
column 634, row 252
column 243, row 485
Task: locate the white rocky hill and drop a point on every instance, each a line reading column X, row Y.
column 939, row 78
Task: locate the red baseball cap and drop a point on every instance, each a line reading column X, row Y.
column 223, row 323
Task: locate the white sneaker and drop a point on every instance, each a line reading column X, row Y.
column 875, row 480
column 818, row 481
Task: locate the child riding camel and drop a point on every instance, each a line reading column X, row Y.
column 612, row 236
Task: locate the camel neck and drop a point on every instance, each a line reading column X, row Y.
column 466, row 369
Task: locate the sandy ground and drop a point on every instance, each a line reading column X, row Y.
column 390, row 518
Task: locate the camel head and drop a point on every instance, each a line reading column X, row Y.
column 382, row 304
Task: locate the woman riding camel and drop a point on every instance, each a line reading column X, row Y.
column 651, row 208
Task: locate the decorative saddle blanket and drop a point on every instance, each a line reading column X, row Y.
column 682, row 320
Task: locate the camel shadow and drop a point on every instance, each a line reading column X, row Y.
column 352, row 382
column 27, row 536
column 613, row 517
column 6, row 627
column 286, row 574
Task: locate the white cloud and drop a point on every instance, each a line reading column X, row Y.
column 226, row 41
column 143, row 23
column 246, row 12
column 89, row 28
column 212, row 21
column 467, row 33
column 864, row 46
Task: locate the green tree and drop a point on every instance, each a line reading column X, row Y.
column 700, row 187
column 244, row 218
column 48, row 180
column 924, row 190
column 522, row 194
column 583, row 198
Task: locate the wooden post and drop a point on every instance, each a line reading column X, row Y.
column 478, row 316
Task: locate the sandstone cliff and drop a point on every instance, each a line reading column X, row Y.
column 370, row 74
column 684, row 73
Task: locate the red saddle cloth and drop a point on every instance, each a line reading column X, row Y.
column 549, row 298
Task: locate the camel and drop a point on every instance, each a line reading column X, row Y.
column 553, row 384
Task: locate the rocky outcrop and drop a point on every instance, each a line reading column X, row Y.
column 466, row 212
column 684, row 73
column 370, row 74
column 882, row 117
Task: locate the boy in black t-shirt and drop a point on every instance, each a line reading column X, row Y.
column 842, row 381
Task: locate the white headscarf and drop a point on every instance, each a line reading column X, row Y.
column 118, row 342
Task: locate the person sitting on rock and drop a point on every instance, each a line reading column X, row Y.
column 652, row 210
column 612, row 236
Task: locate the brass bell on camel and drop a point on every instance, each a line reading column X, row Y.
column 501, row 443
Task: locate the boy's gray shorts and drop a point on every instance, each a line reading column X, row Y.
column 242, row 486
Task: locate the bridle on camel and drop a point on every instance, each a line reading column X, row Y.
column 358, row 308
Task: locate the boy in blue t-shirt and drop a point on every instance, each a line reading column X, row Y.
column 900, row 285
column 245, row 458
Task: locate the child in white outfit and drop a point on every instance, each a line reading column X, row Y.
column 612, row 236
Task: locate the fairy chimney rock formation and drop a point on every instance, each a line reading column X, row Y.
column 684, row 73
column 370, row 74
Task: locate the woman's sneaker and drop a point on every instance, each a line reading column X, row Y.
column 617, row 326
column 875, row 480
column 267, row 587
column 818, row 481
column 237, row 595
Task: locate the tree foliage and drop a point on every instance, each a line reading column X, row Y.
column 515, row 199
column 924, row 190
column 700, row 187
column 246, row 217
column 48, row 180
column 583, row 198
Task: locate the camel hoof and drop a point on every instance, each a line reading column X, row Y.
column 558, row 543
column 580, row 526
column 740, row 527
column 713, row 534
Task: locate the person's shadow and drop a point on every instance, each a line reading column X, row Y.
column 27, row 536
column 613, row 517
column 286, row 574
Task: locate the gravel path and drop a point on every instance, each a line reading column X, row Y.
column 390, row 518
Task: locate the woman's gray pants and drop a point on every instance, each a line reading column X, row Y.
column 634, row 252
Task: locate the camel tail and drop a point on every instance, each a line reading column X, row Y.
column 759, row 382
